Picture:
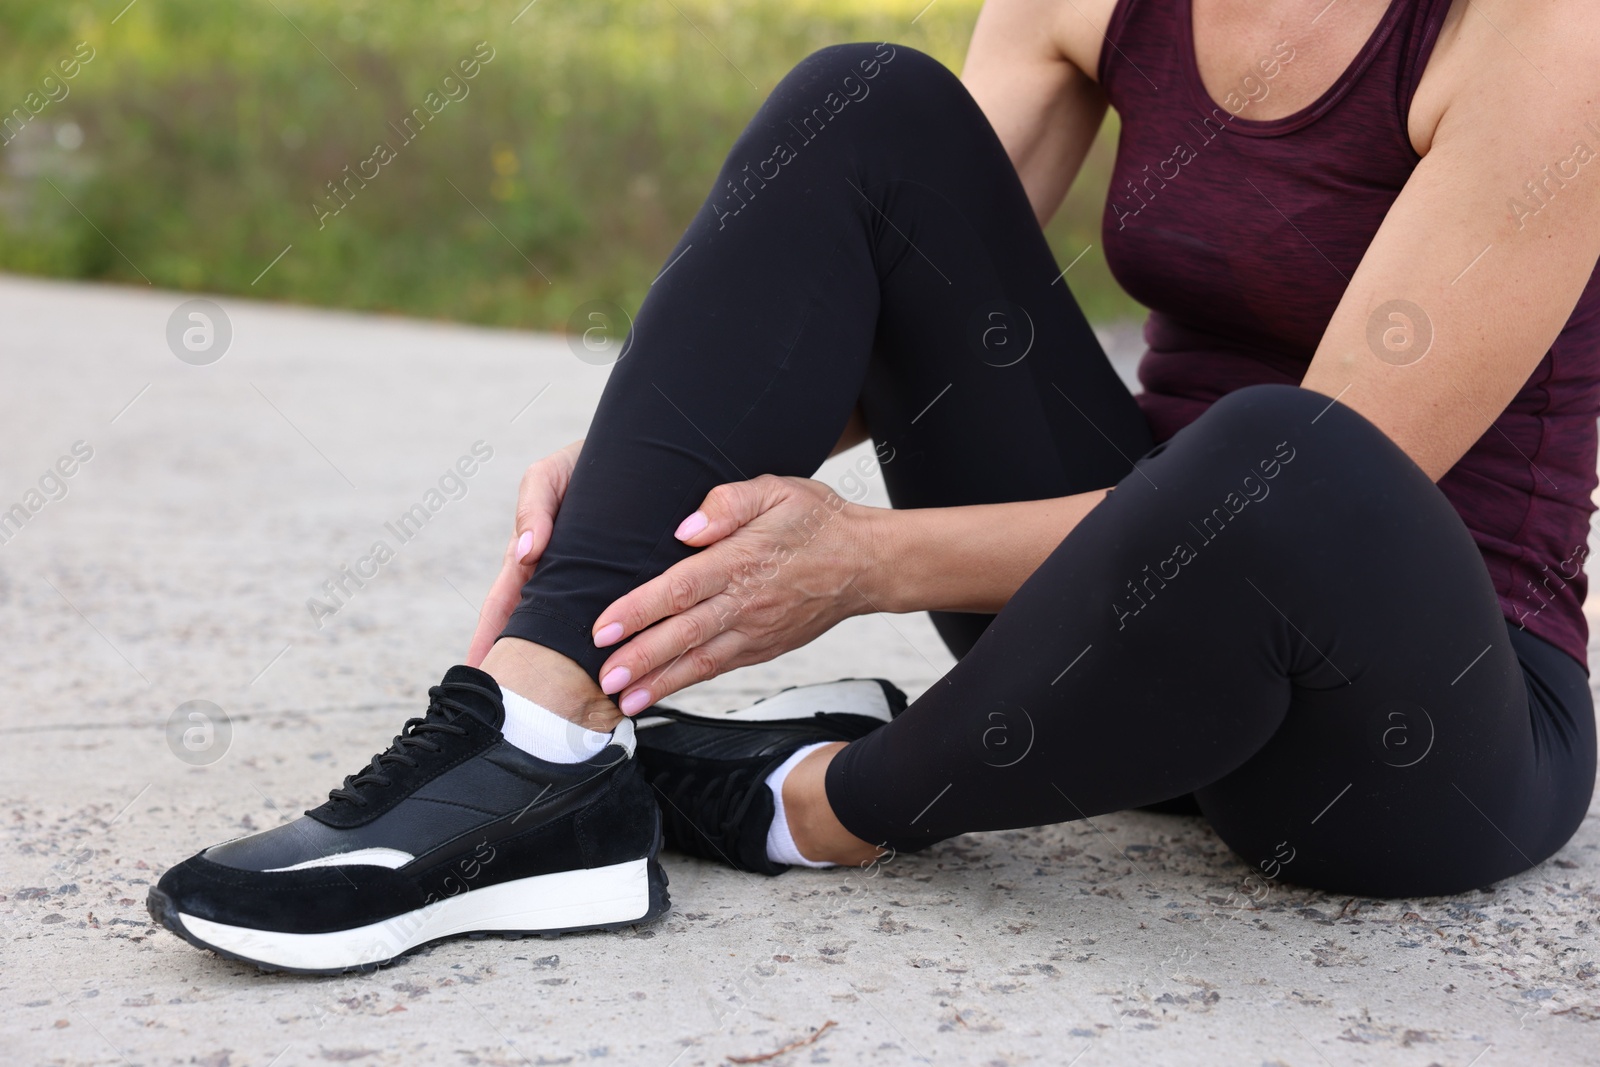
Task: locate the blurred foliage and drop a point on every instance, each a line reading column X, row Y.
column 191, row 148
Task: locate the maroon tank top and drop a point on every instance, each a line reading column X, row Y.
column 1240, row 236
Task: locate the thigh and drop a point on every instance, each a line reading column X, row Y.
column 996, row 390
column 1461, row 757
column 1278, row 610
column 986, row 383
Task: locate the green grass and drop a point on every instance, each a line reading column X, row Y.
column 208, row 131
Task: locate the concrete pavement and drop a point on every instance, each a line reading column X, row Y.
column 175, row 564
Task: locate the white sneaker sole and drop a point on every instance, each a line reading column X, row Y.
column 851, row 696
column 600, row 897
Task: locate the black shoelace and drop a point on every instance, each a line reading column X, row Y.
column 440, row 719
column 705, row 813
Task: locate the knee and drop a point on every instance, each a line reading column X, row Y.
column 1298, row 444
column 864, row 62
column 1268, row 405
column 858, row 104
column 830, row 79
column 1301, row 421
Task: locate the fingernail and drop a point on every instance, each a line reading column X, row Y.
column 609, row 634
column 615, row 679
column 692, row 525
column 635, row 702
column 524, row 543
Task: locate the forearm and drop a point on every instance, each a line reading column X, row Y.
column 965, row 558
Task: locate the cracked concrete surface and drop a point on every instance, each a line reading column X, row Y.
column 177, row 567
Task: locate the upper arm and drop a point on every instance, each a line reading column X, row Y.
column 1493, row 283
column 1030, row 67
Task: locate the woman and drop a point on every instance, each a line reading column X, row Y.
column 1324, row 574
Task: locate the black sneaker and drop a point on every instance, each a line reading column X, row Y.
column 451, row 831
column 711, row 770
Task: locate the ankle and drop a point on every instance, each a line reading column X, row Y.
column 552, row 681
column 817, row 832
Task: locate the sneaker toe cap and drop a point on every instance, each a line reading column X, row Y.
column 317, row 900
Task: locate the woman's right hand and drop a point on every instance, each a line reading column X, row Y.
column 538, row 499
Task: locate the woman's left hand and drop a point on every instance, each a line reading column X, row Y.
column 780, row 564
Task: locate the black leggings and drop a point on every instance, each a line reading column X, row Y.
column 1275, row 611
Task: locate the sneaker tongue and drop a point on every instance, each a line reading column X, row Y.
column 463, row 683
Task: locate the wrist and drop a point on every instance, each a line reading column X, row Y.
column 884, row 562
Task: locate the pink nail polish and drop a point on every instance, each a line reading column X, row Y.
column 524, row 543
column 615, row 679
column 609, row 634
column 692, row 525
column 635, row 702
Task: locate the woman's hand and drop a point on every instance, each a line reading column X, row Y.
column 780, row 566
column 538, row 499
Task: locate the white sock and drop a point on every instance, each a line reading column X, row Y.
column 780, row 842
column 541, row 732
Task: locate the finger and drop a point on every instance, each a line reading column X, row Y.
column 719, row 654
column 666, row 641
column 501, row 601
column 538, row 500
column 728, row 507
column 680, row 588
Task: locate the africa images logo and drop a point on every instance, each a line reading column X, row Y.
column 1253, row 490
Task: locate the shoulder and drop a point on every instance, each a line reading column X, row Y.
column 1509, row 62
column 1072, row 30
